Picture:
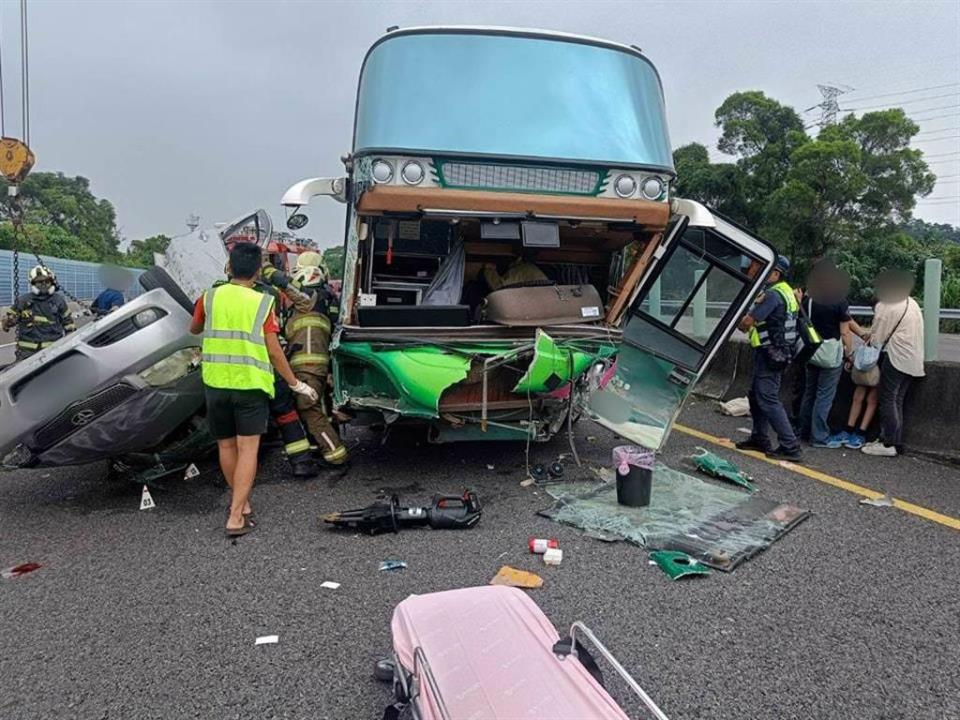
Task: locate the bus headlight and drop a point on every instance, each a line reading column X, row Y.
column 382, row 171
column 652, row 188
column 625, row 186
column 412, row 173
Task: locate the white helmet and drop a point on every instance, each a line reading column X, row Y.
column 309, row 276
column 41, row 274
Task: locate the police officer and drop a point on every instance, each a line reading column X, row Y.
column 771, row 326
column 307, row 331
column 41, row 316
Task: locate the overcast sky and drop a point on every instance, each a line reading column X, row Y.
column 175, row 108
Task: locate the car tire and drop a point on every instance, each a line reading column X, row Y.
column 157, row 277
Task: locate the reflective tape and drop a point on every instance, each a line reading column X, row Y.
column 34, row 345
column 301, row 359
column 309, row 321
column 295, row 448
column 238, row 360
column 336, row 456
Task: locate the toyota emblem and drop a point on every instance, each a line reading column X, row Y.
column 83, row 417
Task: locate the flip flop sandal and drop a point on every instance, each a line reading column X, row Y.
column 237, row 532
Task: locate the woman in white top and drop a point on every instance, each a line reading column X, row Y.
column 898, row 329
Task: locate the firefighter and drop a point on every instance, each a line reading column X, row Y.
column 41, row 316
column 283, row 408
column 307, row 331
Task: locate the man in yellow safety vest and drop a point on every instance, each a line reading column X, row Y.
column 771, row 326
column 240, row 352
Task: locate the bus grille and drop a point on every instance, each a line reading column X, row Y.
column 520, row 178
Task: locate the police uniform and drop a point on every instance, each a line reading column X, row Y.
column 773, row 337
column 307, row 331
column 40, row 320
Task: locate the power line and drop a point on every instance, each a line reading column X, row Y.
column 904, row 92
column 957, row 152
column 905, row 102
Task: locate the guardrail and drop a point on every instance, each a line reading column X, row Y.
column 857, row 310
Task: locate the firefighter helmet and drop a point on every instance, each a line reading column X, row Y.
column 43, row 281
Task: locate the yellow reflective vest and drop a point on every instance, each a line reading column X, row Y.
column 235, row 353
column 760, row 333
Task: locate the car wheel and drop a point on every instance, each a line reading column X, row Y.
column 157, row 277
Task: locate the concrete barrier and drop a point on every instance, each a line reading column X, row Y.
column 931, row 410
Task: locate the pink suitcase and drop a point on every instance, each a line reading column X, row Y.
column 489, row 653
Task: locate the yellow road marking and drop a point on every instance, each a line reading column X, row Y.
column 836, row 482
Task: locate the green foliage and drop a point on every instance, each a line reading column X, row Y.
column 333, row 259
column 60, row 208
column 140, row 253
column 848, row 193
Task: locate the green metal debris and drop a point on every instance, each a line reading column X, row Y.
column 552, row 366
column 410, row 380
column 718, row 467
column 678, row 564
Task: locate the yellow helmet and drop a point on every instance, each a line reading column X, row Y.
column 309, row 259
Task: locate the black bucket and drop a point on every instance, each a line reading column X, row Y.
column 633, row 486
column 633, row 489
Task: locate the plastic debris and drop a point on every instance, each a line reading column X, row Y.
column 539, row 546
column 718, row 467
column 146, row 500
column 329, row 584
column 517, row 578
column 527, row 482
column 591, row 438
column 745, row 430
column 882, row 501
column 606, row 475
column 553, row 556
column 737, row 407
column 392, row 565
column 267, row 640
column 18, row 570
column 191, row 472
column 490, row 467
column 678, row 564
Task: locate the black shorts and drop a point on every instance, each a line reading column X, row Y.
column 236, row 412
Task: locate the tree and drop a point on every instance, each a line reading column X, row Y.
column 140, row 253
column 333, row 259
column 62, row 213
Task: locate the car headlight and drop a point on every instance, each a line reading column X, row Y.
column 625, row 186
column 412, row 173
column 382, row 171
column 652, row 188
column 146, row 317
column 171, row 368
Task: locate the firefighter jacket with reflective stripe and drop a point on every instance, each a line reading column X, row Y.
column 769, row 332
column 235, row 353
column 308, row 328
column 40, row 320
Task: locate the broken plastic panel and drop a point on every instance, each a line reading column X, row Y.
column 552, row 366
column 678, row 564
column 721, row 468
column 719, row 526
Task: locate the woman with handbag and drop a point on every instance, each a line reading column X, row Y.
column 828, row 310
column 899, row 321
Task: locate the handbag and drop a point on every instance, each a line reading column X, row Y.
column 867, row 356
column 829, row 354
column 868, row 378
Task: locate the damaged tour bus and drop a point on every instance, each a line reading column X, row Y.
column 514, row 255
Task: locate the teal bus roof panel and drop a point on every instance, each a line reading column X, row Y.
column 506, row 94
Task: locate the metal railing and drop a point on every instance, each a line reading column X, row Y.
column 857, row 310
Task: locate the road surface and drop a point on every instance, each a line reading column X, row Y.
column 153, row 614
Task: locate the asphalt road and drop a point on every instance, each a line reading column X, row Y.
column 153, row 614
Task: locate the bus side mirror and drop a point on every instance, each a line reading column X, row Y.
column 299, row 195
column 297, row 221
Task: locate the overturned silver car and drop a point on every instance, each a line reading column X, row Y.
column 127, row 383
